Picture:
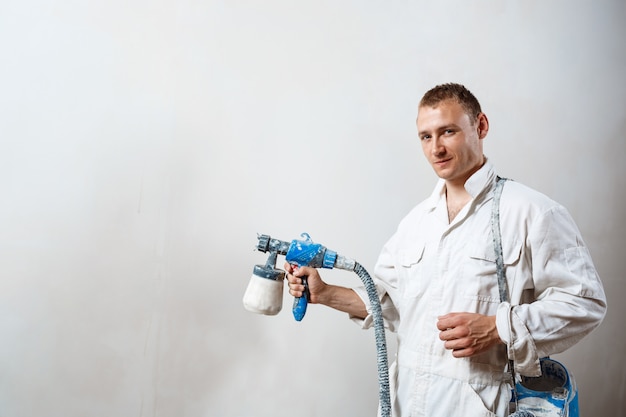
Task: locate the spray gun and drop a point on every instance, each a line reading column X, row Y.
column 264, row 294
column 266, row 297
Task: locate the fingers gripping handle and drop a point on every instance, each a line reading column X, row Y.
column 300, row 303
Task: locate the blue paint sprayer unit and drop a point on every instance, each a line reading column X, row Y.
column 264, row 294
column 554, row 394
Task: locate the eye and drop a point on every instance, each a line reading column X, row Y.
column 425, row 137
column 449, row 131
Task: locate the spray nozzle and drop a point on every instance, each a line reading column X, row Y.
column 267, row 244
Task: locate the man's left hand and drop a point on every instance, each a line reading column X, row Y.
column 468, row 334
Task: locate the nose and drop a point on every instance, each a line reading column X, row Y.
column 436, row 147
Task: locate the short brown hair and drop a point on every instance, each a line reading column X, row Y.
column 456, row 92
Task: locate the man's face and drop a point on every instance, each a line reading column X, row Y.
column 451, row 141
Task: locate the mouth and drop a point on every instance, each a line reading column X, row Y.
column 441, row 162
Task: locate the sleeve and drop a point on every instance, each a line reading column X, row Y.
column 568, row 299
column 386, row 285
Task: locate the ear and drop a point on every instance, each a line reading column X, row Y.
column 482, row 125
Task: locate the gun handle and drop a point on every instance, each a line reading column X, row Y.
column 300, row 303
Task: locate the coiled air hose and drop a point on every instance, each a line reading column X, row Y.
column 381, row 344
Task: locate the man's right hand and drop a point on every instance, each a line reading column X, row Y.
column 314, row 281
column 340, row 298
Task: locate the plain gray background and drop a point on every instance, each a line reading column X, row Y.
column 144, row 144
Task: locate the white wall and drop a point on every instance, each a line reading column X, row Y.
column 143, row 144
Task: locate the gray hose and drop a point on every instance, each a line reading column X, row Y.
column 381, row 344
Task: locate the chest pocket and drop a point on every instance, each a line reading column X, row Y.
column 411, row 272
column 479, row 278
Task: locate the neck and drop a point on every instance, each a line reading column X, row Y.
column 456, row 194
column 456, row 199
column 457, row 187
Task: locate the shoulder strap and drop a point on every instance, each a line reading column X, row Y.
column 502, row 285
column 497, row 238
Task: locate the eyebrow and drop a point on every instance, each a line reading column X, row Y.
column 439, row 129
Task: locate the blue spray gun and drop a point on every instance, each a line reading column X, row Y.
column 304, row 253
column 264, row 294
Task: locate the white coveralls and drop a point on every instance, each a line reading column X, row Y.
column 431, row 267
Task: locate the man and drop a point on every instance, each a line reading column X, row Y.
column 437, row 282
